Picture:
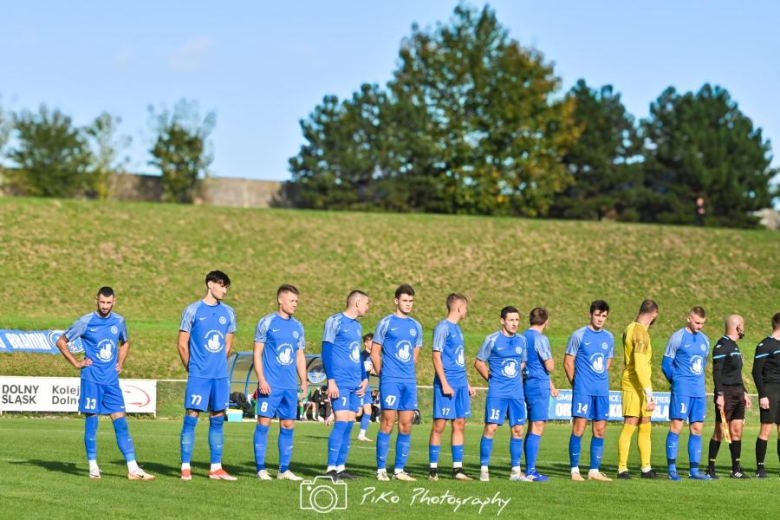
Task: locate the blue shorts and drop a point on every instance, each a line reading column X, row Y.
column 281, row 403
column 456, row 407
column 683, row 407
column 207, row 394
column 496, row 408
column 591, row 407
column 538, row 407
column 398, row 396
column 100, row 399
column 348, row 400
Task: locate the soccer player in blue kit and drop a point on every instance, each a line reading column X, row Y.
column 205, row 339
column 365, row 400
column 452, row 392
column 588, row 359
column 397, row 342
column 279, row 363
column 683, row 365
column 104, row 336
column 501, row 360
column 538, row 388
column 347, row 378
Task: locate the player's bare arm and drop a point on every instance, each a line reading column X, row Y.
column 262, row 383
column 438, row 367
column 183, row 346
column 124, row 349
column 62, row 345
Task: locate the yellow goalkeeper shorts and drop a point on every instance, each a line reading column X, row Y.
column 635, row 403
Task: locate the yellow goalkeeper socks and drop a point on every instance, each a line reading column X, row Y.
column 645, row 444
column 624, row 444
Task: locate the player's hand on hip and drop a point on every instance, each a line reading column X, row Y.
column 86, row 362
column 447, row 390
column 333, row 390
column 763, row 403
column 264, row 388
column 720, row 402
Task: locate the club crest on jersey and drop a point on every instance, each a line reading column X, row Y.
column 697, row 365
column 296, row 335
column 404, row 351
column 222, row 320
column 214, row 341
column 413, row 333
column 460, row 359
column 597, row 363
column 605, row 346
column 509, row 368
column 355, row 354
column 703, row 347
column 519, row 350
column 105, row 350
column 114, row 330
column 284, row 354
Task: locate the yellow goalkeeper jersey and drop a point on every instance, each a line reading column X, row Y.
column 638, row 355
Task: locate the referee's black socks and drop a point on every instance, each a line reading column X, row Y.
column 714, row 448
column 761, row 451
column 736, row 455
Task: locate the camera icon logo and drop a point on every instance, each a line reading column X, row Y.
column 323, row 495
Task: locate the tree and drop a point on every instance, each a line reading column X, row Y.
column 702, row 145
column 603, row 160
column 181, row 149
column 107, row 147
column 51, row 155
column 468, row 124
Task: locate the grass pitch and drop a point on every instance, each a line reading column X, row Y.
column 44, row 475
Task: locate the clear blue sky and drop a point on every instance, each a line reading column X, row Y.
column 262, row 66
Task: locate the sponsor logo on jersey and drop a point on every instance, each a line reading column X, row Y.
column 215, row 341
column 697, row 365
column 105, row 350
column 460, row 358
column 597, row 363
column 510, row 368
column 404, row 351
column 284, row 354
column 354, row 355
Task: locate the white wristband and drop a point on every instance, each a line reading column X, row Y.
column 649, row 394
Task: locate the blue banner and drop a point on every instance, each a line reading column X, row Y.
column 41, row 341
column 560, row 407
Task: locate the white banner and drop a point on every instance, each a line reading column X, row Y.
column 61, row 394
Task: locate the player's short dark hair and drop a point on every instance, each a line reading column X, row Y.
column 453, row 298
column 218, row 277
column 698, row 311
column 648, row 307
column 599, row 305
column 105, row 291
column 508, row 310
column 353, row 295
column 776, row 321
column 404, row 288
column 367, row 337
column 287, row 288
column 538, row 316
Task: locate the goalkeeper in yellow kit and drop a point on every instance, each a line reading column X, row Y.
column 638, row 403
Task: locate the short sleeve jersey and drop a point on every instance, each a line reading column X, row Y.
column 208, row 326
column 101, row 338
column 282, row 339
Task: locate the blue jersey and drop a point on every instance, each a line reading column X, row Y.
column 448, row 339
column 504, row 356
column 101, row 338
column 398, row 337
column 688, row 353
column 591, row 351
column 341, row 341
column 537, row 379
column 208, row 326
column 282, row 339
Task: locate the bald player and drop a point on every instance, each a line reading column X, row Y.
column 730, row 395
column 638, row 403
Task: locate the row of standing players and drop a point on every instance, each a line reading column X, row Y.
column 205, row 340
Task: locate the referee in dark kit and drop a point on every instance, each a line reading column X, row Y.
column 766, row 374
column 730, row 395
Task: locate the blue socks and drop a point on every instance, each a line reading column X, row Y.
column 694, row 452
column 345, row 443
column 402, row 443
column 286, row 448
column 515, row 451
column 433, row 455
column 485, row 449
column 382, row 449
column 216, row 438
column 671, row 450
column 364, row 420
column 90, row 436
column 261, row 443
column 125, row 442
column 335, row 439
column 188, row 438
column 457, row 456
column 575, row 448
column 596, row 452
column 531, row 451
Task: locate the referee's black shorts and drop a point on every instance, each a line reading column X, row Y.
column 734, row 404
column 772, row 415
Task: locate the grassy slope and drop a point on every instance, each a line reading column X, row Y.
column 54, row 254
